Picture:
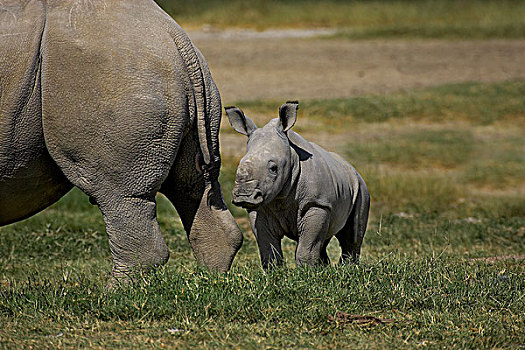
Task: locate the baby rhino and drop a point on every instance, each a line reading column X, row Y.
column 294, row 188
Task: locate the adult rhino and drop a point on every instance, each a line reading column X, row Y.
column 113, row 98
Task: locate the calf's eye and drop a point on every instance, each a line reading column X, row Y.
column 272, row 168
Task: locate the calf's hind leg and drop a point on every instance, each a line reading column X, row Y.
column 351, row 236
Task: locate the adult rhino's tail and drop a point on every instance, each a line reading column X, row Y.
column 214, row 235
column 206, row 100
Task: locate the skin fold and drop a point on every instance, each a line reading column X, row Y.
column 294, row 188
column 112, row 97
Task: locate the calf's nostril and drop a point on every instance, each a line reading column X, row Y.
column 257, row 194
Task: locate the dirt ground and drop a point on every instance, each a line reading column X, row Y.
column 296, row 65
column 285, row 65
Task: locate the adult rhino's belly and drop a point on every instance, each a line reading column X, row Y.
column 31, row 188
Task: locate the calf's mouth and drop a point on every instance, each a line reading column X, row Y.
column 245, row 196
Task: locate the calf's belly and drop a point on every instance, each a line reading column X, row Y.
column 340, row 214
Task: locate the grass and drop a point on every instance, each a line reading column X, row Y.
column 478, row 19
column 479, row 104
column 447, row 189
column 468, row 305
column 414, row 149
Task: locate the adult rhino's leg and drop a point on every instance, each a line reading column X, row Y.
column 134, row 234
column 214, row 236
column 118, row 151
column 129, row 213
column 351, row 235
column 128, row 206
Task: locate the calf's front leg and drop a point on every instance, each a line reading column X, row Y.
column 313, row 229
column 268, row 240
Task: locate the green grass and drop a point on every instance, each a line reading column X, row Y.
column 490, row 30
column 476, row 103
column 416, row 148
column 431, row 300
column 361, row 19
column 447, row 187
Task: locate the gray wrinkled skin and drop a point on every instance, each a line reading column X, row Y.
column 112, row 97
column 294, row 188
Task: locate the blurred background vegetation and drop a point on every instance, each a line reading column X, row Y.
column 360, row 19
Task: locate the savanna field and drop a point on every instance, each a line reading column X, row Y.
column 443, row 260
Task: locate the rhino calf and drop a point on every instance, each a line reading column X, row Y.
column 294, row 188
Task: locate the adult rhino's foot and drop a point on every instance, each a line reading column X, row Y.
column 118, row 281
column 135, row 239
column 129, row 276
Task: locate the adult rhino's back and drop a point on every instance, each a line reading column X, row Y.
column 71, row 72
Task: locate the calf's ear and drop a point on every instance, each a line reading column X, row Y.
column 288, row 115
column 239, row 122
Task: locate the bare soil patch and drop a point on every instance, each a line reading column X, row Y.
column 290, row 65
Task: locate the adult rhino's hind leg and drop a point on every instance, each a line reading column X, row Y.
column 121, row 169
column 135, row 238
column 129, row 213
column 351, row 235
column 126, row 199
column 134, row 235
